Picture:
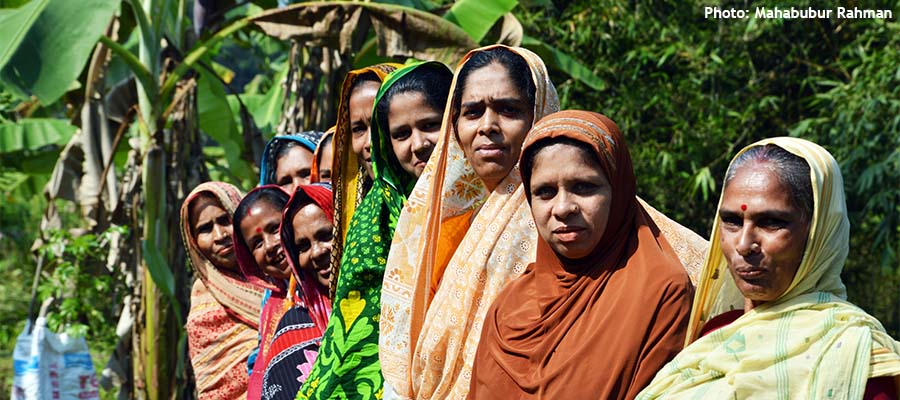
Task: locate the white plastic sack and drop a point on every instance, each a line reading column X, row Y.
column 52, row 366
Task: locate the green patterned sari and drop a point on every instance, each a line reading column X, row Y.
column 347, row 366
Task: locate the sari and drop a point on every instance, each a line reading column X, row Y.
column 347, row 365
column 308, row 140
column 296, row 342
column 317, row 155
column 580, row 320
column 431, row 326
column 349, row 179
column 276, row 303
column 430, row 356
column 223, row 319
column 808, row 343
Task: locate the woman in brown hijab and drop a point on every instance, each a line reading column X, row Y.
column 606, row 303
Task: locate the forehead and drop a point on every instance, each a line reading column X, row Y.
column 758, row 185
column 490, row 81
column 308, row 213
column 363, row 93
column 204, row 203
column 563, row 159
column 295, row 156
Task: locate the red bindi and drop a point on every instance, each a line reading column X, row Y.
column 743, row 207
column 258, row 230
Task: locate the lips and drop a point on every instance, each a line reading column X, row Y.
column 492, row 150
column 751, row 272
column 568, row 233
column 225, row 251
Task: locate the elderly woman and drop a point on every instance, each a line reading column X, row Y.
column 257, row 246
column 224, row 316
column 572, row 325
column 306, row 233
column 770, row 301
column 287, row 161
column 468, row 220
column 412, row 98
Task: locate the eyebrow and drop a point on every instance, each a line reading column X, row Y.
column 504, row 100
column 777, row 214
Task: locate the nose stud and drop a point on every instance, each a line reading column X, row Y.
column 754, row 247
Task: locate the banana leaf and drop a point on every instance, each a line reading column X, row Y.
column 33, row 134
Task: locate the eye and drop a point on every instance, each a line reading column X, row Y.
column 730, row 221
column 205, row 228
column 773, row 223
column 400, row 134
column 472, row 112
column 305, row 173
column 324, row 235
column 256, row 244
column 584, row 188
column 303, row 246
column 284, row 181
column 325, row 174
column 358, row 129
column 544, row 192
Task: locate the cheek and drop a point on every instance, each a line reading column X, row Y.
column 204, row 243
column 401, row 149
column 465, row 132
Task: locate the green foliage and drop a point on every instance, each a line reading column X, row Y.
column 690, row 92
column 51, row 40
column 476, row 17
column 85, row 290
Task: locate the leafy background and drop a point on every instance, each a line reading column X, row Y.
column 688, row 92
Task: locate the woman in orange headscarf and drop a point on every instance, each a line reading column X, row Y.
column 606, row 303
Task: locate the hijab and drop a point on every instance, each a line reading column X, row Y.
column 597, row 327
column 308, row 140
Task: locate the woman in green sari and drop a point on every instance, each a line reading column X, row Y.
column 406, row 122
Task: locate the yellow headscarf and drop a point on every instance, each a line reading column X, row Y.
column 810, row 342
column 347, row 176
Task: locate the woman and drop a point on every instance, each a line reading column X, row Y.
column 770, row 300
column 347, row 365
column 224, row 316
column 449, row 198
column 287, row 161
column 573, row 315
column 468, row 219
column 262, row 260
column 323, row 158
column 350, row 178
column 306, row 233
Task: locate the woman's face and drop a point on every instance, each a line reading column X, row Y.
column 414, row 129
column 570, row 200
column 361, row 100
column 294, row 168
column 326, row 158
column 260, row 230
column 494, row 117
column 762, row 234
column 313, row 234
column 211, row 227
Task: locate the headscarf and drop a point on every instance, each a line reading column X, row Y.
column 348, row 359
column 314, row 178
column 267, row 167
column 436, row 220
column 296, row 342
column 349, row 179
column 276, row 303
column 808, row 343
column 597, row 327
column 223, row 319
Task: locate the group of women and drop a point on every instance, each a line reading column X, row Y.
column 456, row 235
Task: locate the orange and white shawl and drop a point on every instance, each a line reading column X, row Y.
column 427, row 351
column 224, row 315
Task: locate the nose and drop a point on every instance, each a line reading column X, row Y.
column 489, row 123
column 221, row 233
column 564, row 205
column 321, row 253
column 747, row 241
column 421, row 146
column 367, row 148
column 272, row 244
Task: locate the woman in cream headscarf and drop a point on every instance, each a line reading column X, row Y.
column 467, row 220
column 770, row 299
